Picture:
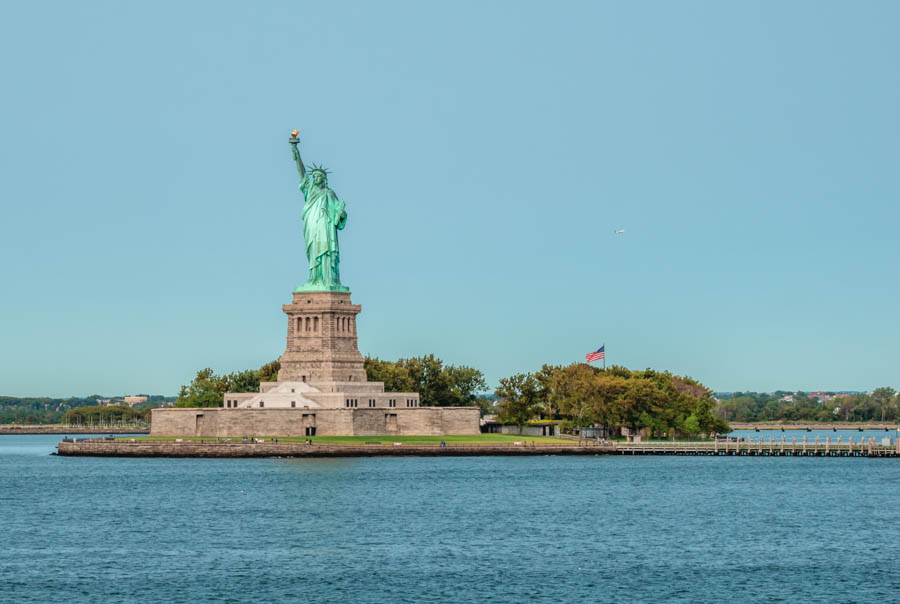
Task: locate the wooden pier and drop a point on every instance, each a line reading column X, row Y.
column 827, row 447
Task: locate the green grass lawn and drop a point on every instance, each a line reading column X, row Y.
column 475, row 439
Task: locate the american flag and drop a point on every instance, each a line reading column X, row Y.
column 598, row 354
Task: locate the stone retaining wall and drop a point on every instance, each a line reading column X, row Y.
column 268, row 449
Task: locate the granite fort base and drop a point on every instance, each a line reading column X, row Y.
column 322, row 389
column 224, row 423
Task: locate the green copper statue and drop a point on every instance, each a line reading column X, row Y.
column 323, row 217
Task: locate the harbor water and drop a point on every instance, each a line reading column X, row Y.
column 492, row 529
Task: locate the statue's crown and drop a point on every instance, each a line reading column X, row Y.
column 318, row 168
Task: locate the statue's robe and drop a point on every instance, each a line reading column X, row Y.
column 323, row 216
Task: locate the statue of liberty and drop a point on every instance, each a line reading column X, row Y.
column 323, row 217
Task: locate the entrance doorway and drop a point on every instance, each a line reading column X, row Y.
column 203, row 425
column 390, row 423
column 309, row 424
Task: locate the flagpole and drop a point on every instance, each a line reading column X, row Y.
column 604, row 356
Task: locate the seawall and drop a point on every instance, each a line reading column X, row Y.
column 269, row 449
column 752, row 447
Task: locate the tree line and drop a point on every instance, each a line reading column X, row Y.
column 47, row 410
column 883, row 404
column 658, row 402
column 579, row 394
column 207, row 389
column 438, row 384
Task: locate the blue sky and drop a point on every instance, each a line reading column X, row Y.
column 486, row 151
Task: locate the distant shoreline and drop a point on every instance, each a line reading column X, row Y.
column 63, row 429
column 801, row 425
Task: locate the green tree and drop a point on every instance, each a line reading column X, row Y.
column 617, row 397
column 520, row 399
column 610, row 388
column 395, row 376
column 268, row 372
column 882, row 399
column 437, row 384
column 546, row 388
column 430, row 380
column 206, row 390
column 691, row 425
column 465, row 384
column 642, row 402
column 575, row 393
column 244, row 381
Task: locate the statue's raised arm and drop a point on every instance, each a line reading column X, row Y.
column 301, row 169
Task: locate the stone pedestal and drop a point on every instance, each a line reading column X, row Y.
column 321, row 339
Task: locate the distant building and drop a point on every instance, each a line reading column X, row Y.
column 104, row 401
column 131, row 401
column 822, row 397
column 538, row 428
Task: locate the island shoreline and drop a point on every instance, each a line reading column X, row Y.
column 113, row 448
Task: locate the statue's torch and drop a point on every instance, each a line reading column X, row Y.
column 294, row 140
